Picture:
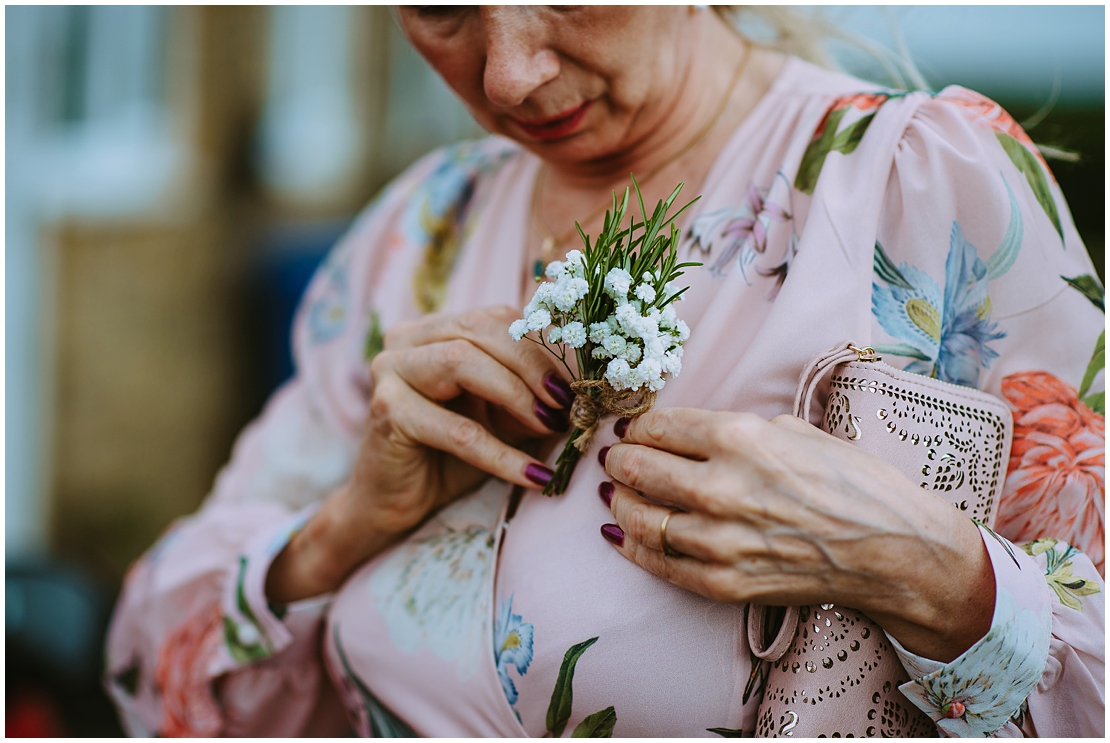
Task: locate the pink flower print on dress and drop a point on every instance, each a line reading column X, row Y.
column 1057, row 466
column 744, row 230
column 755, row 226
column 982, row 110
column 188, row 707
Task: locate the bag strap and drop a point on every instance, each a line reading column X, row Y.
column 815, row 371
column 757, row 628
column 758, row 615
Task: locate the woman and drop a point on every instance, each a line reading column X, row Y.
column 358, row 544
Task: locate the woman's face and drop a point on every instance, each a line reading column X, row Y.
column 574, row 84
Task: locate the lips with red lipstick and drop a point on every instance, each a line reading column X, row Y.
column 554, row 127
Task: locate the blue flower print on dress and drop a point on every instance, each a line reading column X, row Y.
column 946, row 332
column 512, row 646
column 327, row 315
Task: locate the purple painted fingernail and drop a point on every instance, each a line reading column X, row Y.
column 602, row 454
column 605, row 490
column 539, row 474
column 559, row 389
column 554, row 419
column 613, row 534
column 620, row 428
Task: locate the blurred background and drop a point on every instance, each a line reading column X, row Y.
column 174, row 175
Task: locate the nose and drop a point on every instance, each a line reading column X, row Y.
column 517, row 58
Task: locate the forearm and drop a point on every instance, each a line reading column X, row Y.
column 950, row 600
column 324, row 552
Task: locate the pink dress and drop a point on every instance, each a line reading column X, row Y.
column 926, row 225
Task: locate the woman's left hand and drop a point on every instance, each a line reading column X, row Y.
column 778, row 512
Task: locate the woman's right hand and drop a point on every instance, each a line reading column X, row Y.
column 453, row 396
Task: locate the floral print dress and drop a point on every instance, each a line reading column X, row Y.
column 925, row 225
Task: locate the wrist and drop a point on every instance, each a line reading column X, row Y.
column 320, row 556
column 952, row 607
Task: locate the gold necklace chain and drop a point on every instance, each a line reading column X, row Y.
column 551, row 241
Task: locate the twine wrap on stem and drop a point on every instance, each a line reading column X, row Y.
column 588, row 410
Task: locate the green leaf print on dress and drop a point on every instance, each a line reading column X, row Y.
column 1058, row 571
column 562, row 696
column 433, row 591
column 598, row 725
column 1030, row 167
column 245, row 641
column 375, row 338
column 828, row 139
column 1090, row 288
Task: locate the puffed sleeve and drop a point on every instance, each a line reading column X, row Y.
column 194, row 648
column 980, row 279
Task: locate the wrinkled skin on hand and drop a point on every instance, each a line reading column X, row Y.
column 454, row 401
column 778, row 512
column 454, row 398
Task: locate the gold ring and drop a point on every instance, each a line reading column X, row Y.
column 668, row 550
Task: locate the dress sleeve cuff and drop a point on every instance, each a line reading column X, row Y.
column 254, row 628
column 979, row 692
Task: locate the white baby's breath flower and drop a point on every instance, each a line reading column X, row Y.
column 575, row 263
column 617, row 283
column 574, row 334
column 654, row 348
column 620, row 375
column 631, row 353
column 668, row 318
column 649, row 368
column 518, row 329
column 538, row 320
column 628, row 319
column 599, row 352
column 683, row 330
column 567, row 292
column 555, row 334
column 672, row 362
column 615, row 344
column 599, row 331
column 645, row 292
column 555, row 270
column 541, row 300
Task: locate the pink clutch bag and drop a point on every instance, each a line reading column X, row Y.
column 831, row 670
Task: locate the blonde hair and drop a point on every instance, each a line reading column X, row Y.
column 808, row 33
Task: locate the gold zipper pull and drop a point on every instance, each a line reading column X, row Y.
column 867, row 353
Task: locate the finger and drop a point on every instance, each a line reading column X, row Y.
column 659, row 474
column 442, row 371
column 692, row 534
column 689, row 432
column 433, row 426
column 717, row 582
column 488, row 329
column 640, row 519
